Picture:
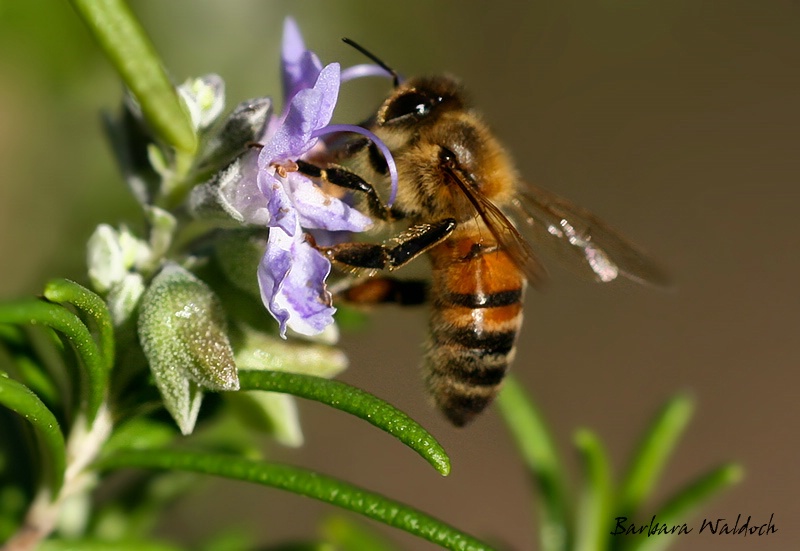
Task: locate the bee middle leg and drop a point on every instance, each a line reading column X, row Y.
column 377, row 256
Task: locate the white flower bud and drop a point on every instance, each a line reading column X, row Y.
column 205, row 99
column 105, row 258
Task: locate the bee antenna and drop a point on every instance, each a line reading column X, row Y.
column 376, row 59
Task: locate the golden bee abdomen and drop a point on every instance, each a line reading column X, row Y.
column 476, row 316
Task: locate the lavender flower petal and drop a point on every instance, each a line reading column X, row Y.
column 292, row 281
column 279, row 205
column 300, row 66
column 272, row 271
column 309, row 110
column 316, row 209
column 239, row 192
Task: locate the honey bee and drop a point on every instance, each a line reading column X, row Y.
column 456, row 186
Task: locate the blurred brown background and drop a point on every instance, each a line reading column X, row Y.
column 677, row 121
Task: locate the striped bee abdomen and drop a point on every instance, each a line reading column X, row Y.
column 476, row 316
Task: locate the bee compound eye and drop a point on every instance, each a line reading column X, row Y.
column 408, row 105
column 447, row 158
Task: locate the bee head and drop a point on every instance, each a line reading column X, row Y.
column 414, row 101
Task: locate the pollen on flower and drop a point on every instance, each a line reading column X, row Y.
column 283, row 168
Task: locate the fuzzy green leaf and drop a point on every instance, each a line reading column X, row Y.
column 57, row 317
column 529, row 430
column 18, row 398
column 307, row 483
column 130, row 51
column 357, row 402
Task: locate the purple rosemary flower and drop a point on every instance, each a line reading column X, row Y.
column 272, row 192
column 299, row 66
column 292, row 273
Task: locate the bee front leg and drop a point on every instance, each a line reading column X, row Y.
column 342, row 177
column 375, row 256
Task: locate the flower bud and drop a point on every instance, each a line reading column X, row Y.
column 105, row 259
column 246, row 124
column 212, row 200
column 205, row 99
column 183, row 334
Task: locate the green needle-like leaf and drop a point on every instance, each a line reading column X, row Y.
column 65, row 322
column 355, row 401
column 595, row 504
column 18, row 398
column 678, row 508
column 12, row 335
column 529, row 430
column 303, row 482
column 652, row 454
column 32, row 375
column 66, row 291
column 130, row 51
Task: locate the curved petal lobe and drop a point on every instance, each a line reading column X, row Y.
column 292, row 281
column 300, row 66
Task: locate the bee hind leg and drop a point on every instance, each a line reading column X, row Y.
column 386, row 290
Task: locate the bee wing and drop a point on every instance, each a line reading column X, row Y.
column 503, row 230
column 578, row 237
